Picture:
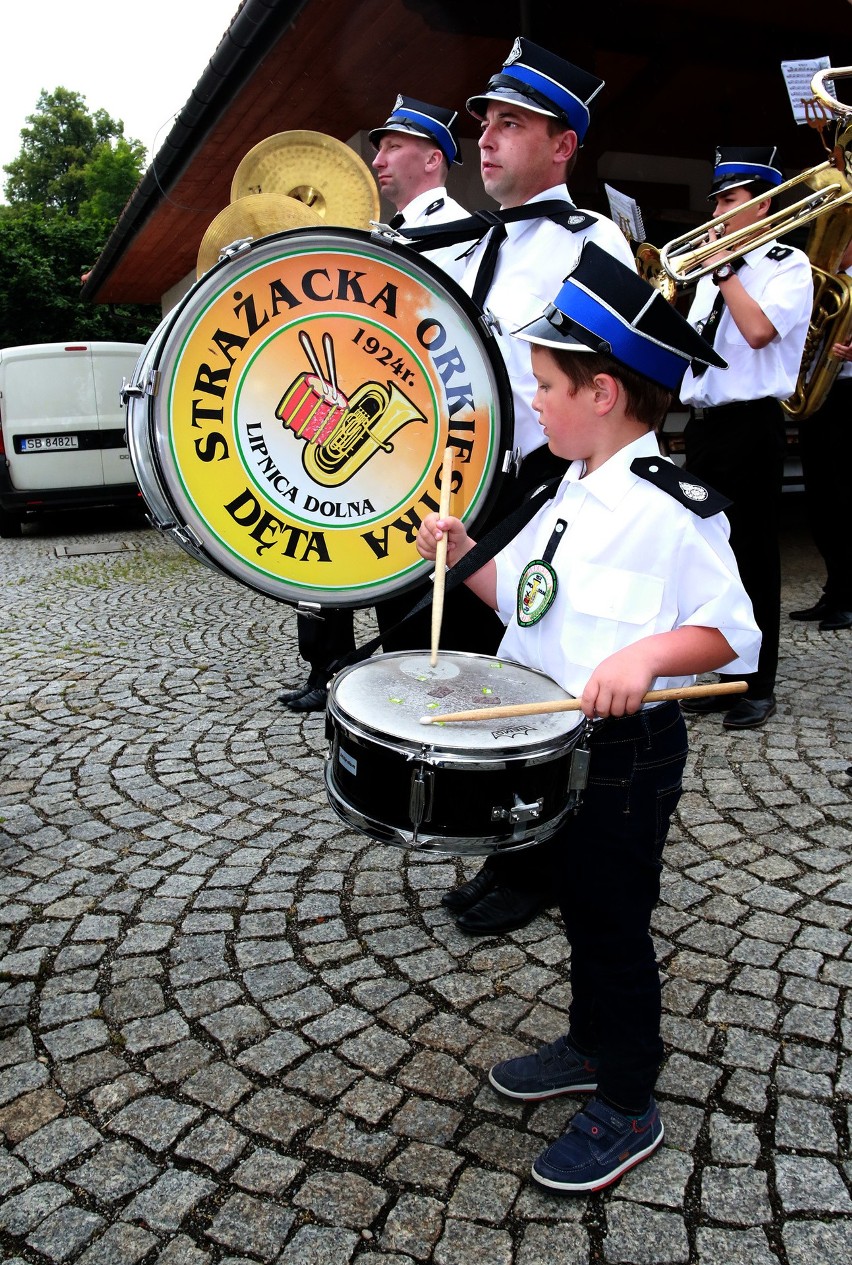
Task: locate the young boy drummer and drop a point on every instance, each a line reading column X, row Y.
column 640, row 591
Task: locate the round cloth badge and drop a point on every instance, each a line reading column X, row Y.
column 536, row 591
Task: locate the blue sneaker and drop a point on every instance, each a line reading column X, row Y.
column 554, row 1069
column 600, row 1145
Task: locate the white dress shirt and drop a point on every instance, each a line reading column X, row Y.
column 533, row 262
column 632, row 562
column 435, row 207
column 784, row 290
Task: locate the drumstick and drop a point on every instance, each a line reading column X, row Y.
column 573, row 704
column 308, row 349
column 441, row 555
column 328, row 348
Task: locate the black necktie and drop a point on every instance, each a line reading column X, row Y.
column 711, row 325
column 488, row 264
column 397, row 221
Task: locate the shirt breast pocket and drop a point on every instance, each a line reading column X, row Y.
column 613, row 609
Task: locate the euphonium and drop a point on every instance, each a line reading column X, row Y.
column 374, row 414
column 831, row 316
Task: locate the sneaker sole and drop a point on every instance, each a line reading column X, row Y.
column 588, row 1087
column 609, row 1178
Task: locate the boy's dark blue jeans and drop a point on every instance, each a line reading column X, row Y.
column 610, row 883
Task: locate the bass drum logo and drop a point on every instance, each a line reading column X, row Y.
column 307, row 393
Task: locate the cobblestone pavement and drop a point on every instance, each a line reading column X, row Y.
column 233, row 1030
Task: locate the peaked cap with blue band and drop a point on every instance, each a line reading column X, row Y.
column 418, row 118
column 606, row 307
column 544, row 83
column 739, row 165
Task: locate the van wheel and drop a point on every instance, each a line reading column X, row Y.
column 10, row 525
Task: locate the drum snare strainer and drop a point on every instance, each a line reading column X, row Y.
column 469, row 788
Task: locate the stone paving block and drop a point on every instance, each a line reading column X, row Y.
column 805, row 1128
column 483, row 1196
column 437, row 1074
column 15, row 1081
column 252, row 1225
column 734, row 1247
column 738, row 1196
column 643, row 1236
column 323, row 1076
column 87, row 1072
column 235, row 1026
column 181, row 1250
column 266, row 1172
column 28, row 1113
column 808, row 1241
column 371, row 1100
column 176, row 1062
column 662, row 1180
column 217, row 1085
column 275, row 1114
column 568, row 1244
column 810, row 1185
column 421, row 1165
column 215, row 1144
column 76, row 1038
column 339, row 1136
column 56, row 1143
column 23, row 1212
column 113, row 1172
column 732, row 1142
column 165, row 1204
column 154, row 1121
column 684, row 1077
column 318, row 1245
column 154, row 1032
column 61, row 1235
column 120, row 1245
column 134, row 1000
column 463, row 1242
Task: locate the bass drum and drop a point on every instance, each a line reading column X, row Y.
column 287, row 422
column 467, row 788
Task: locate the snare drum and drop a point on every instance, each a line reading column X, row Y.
column 287, row 421
column 469, row 788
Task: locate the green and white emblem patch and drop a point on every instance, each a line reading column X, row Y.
column 536, row 591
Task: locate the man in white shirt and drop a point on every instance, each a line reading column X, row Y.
column 756, row 313
column 534, row 116
column 415, row 149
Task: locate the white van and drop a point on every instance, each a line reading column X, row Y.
column 62, row 441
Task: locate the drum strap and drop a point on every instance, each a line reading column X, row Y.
column 482, row 552
column 474, row 227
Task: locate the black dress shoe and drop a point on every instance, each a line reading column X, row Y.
column 469, row 894
column 501, row 910
column 811, row 613
column 705, row 706
column 750, row 713
column 835, row 619
column 313, row 700
column 290, row 696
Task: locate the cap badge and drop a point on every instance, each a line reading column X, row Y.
column 397, row 105
column 515, row 54
column 717, row 158
column 536, row 591
column 693, row 491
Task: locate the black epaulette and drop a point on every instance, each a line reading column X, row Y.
column 686, row 488
column 434, row 206
column 779, row 252
column 573, row 220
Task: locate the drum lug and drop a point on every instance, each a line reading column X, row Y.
column 186, row 537
column 490, row 323
column 520, row 812
column 578, row 773
column 512, row 461
column 420, row 799
column 237, row 247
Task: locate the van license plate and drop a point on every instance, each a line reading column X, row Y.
column 49, row 443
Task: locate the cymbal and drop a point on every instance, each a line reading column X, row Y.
column 315, row 169
column 256, row 215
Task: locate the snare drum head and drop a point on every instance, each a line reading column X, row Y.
column 307, row 391
column 387, row 696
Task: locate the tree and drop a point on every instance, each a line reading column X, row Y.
column 61, row 142
column 66, row 190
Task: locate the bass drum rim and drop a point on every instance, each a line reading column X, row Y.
column 190, row 530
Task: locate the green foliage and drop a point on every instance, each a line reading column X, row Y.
column 66, row 190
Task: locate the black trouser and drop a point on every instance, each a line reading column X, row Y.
column 739, row 450
column 607, row 876
column 322, row 641
column 467, row 623
column 825, row 445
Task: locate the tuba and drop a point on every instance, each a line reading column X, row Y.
column 371, row 418
column 831, row 315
